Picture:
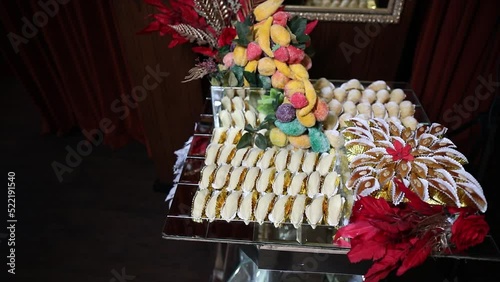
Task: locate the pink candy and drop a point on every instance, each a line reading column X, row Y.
column 253, row 51
column 281, row 54
column 296, row 55
column 321, row 110
column 280, row 18
column 298, row 100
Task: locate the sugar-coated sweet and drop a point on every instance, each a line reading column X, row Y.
column 253, row 51
column 279, row 80
column 383, row 96
column 410, row 122
column 228, row 60
column 296, row 55
column 310, row 96
column 392, row 109
column 294, row 86
column 339, row 94
column 240, row 56
column 354, row 95
column 353, row 84
column 406, row 109
column 379, row 110
column 281, row 54
column 280, row 35
column 336, row 107
column 263, row 36
column 377, row 85
column 299, row 71
column 350, row 108
column 397, row 95
column 319, row 141
column 321, row 110
column 284, row 69
column 364, row 108
column 308, row 120
column 298, row 100
column 293, row 128
column 368, row 96
column 280, row 18
column 266, row 66
column 266, row 9
column 301, row 141
column 285, row 112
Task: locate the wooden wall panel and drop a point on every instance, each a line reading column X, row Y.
column 170, row 110
column 378, row 58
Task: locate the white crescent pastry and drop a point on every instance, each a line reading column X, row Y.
column 239, row 156
column 314, row 211
column 297, row 214
column 247, row 205
column 221, row 176
column 212, row 153
column 296, row 160
column 335, row 205
column 309, row 162
column 207, row 176
column 266, row 179
column 280, row 209
column 330, row 184
column 200, row 198
column 237, row 177
column 263, row 207
column 281, row 159
column 297, row 184
column 228, row 211
column 250, row 179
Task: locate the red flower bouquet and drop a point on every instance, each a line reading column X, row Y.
column 401, row 237
column 220, row 27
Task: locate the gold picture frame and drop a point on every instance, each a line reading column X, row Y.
column 372, row 13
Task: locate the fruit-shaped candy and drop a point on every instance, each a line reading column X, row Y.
column 277, row 137
column 307, row 120
column 279, row 80
column 266, row 9
column 280, row 18
column 253, row 51
column 280, row 35
column 240, row 56
column 301, row 142
column 299, row 71
column 298, row 100
column 262, row 36
column 294, row 86
column 311, row 98
column 284, row 69
column 266, row 66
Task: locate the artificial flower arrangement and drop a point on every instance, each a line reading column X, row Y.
column 413, row 196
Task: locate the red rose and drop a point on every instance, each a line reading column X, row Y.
column 226, row 37
column 468, row 230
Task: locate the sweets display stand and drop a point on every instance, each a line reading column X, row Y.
column 285, row 249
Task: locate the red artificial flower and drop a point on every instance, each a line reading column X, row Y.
column 206, row 51
column 310, row 27
column 402, row 237
column 468, row 230
column 226, row 37
column 399, row 152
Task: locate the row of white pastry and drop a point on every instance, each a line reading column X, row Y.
column 293, row 160
column 230, row 178
column 278, row 209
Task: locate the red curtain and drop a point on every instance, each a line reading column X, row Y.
column 68, row 56
column 456, row 63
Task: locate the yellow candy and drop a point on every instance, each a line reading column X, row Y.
column 266, row 66
column 240, row 56
column 284, row 69
column 308, row 120
column 294, row 86
column 311, row 98
column 251, row 66
column 277, row 137
column 262, row 37
column 299, row 71
column 301, row 141
column 266, row 9
column 280, row 35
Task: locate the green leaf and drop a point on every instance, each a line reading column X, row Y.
column 265, row 109
column 299, row 45
column 214, row 81
column 275, row 47
column 297, row 25
column 249, row 128
column 250, row 77
column 243, row 31
column 270, row 118
column 223, row 51
column 245, row 141
column 303, row 38
column 264, row 82
column 232, row 80
column 260, row 141
column 238, row 72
